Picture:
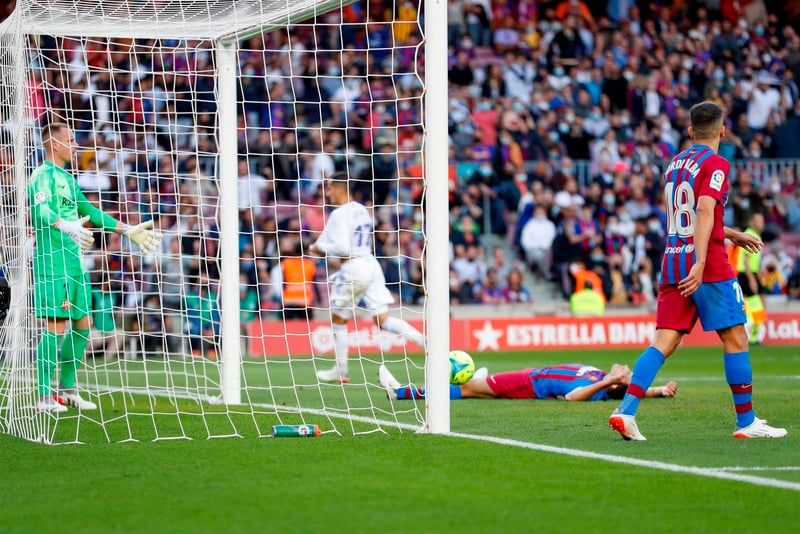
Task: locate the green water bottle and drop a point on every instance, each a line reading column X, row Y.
column 295, row 431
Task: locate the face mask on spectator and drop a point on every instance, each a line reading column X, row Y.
column 613, row 228
column 558, row 71
column 554, row 137
column 567, row 171
column 597, row 258
column 595, row 116
column 505, row 141
column 483, row 106
column 719, row 75
column 609, row 200
column 624, row 217
column 486, row 171
column 775, row 187
column 628, row 75
column 685, row 79
column 655, row 226
column 563, row 127
column 688, row 63
column 759, row 30
column 334, row 71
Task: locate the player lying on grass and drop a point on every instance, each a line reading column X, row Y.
column 571, row 381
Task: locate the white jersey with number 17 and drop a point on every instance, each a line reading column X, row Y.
column 348, row 232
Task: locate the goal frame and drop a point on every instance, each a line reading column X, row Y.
column 25, row 21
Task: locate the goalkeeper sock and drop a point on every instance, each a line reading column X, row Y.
column 739, row 374
column 644, row 373
column 412, row 392
column 46, row 359
column 71, row 355
column 341, row 347
column 401, row 327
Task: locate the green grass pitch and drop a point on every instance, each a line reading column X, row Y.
column 403, row 481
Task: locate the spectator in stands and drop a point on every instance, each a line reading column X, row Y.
column 471, row 270
column 506, row 37
column 747, row 200
column 515, row 292
column 491, row 292
column 461, row 72
column 455, row 21
column 479, row 22
column 536, row 241
column 764, row 100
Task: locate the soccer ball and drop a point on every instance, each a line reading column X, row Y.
column 461, row 367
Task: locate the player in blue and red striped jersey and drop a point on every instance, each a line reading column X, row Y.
column 571, row 382
column 696, row 279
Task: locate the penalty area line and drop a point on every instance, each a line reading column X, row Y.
column 650, row 464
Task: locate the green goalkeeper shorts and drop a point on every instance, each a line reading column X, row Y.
column 62, row 297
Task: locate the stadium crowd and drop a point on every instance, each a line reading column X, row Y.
column 562, row 116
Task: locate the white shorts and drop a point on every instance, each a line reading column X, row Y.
column 359, row 279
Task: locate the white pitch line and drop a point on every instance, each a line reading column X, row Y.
column 721, row 378
column 674, row 468
column 785, row 468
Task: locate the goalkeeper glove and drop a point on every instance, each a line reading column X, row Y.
column 142, row 234
column 81, row 236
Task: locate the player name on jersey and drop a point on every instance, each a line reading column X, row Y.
column 692, row 167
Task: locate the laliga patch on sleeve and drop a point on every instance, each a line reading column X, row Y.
column 38, row 198
column 717, row 179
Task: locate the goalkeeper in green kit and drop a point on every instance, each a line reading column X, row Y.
column 61, row 287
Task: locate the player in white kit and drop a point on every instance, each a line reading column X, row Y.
column 348, row 237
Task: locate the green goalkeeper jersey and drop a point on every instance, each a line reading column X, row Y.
column 54, row 194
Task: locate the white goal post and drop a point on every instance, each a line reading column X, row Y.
column 222, row 386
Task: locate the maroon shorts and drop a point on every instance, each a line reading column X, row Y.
column 674, row 311
column 512, row 385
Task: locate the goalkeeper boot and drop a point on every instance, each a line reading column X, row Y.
column 71, row 397
column 333, row 375
column 480, row 374
column 759, row 429
column 388, row 382
column 49, row 404
column 626, row 426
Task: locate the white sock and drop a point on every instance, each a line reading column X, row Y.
column 341, row 347
column 399, row 326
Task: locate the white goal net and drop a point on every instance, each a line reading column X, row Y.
column 220, row 122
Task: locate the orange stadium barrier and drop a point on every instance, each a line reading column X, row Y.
column 489, row 334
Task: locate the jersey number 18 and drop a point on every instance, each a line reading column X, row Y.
column 681, row 212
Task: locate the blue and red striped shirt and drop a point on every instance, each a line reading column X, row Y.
column 695, row 172
column 556, row 381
